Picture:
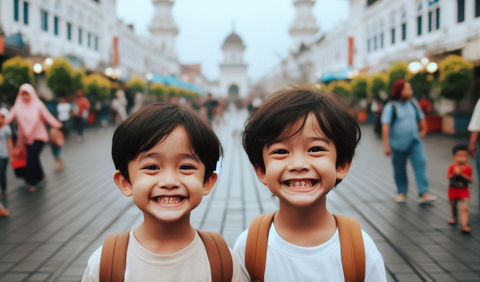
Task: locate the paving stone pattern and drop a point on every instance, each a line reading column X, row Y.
column 51, row 234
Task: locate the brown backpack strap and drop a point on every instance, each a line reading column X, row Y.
column 353, row 251
column 219, row 256
column 256, row 249
column 114, row 257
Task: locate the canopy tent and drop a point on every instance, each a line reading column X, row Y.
column 340, row 75
column 173, row 81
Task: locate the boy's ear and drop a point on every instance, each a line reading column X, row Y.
column 208, row 185
column 343, row 169
column 260, row 172
column 122, row 183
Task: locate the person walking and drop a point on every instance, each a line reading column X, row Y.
column 63, row 109
column 31, row 115
column 119, row 105
column 6, row 149
column 474, row 128
column 403, row 126
column 80, row 112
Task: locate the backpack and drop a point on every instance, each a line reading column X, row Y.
column 351, row 245
column 378, row 123
column 114, row 257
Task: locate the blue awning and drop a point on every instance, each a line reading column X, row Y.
column 173, row 81
column 340, row 75
column 15, row 41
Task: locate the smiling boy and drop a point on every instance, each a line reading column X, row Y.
column 301, row 143
column 165, row 158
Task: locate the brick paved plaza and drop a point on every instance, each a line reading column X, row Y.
column 50, row 234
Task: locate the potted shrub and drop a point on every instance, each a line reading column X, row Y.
column 422, row 83
column 456, row 79
column 78, row 79
column 158, row 91
column 16, row 72
column 59, row 77
column 97, row 89
column 342, row 88
column 359, row 92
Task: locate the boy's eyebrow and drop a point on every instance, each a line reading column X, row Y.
column 156, row 155
column 314, row 138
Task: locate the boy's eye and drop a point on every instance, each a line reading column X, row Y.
column 280, row 152
column 187, row 167
column 316, row 149
column 151, row 167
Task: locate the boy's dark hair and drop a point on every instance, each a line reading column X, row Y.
column 146, row 128
column 283, row 109
column 459, row 147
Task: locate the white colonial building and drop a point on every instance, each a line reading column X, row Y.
column 233, row 78
column 380, row 32
column 304, row 28
column 90, row 35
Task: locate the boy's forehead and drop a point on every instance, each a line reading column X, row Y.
column 302, row 125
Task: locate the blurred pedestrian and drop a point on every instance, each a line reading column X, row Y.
column 138, row 102
column 81, row 109
column 210, row 106
column 459, row 175
column 6, row 149
column 64, row 110
column 119, row 105
column 474, row 128
column 31, row 114
column 403, row 126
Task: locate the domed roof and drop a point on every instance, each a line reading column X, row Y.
column 233, row 39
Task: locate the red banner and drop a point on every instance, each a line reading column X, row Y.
column 2, row 45
column 351, row 50
column 116, row 55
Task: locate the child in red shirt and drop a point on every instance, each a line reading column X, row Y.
column 459, row 175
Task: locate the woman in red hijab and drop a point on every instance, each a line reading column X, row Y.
column 31, row 115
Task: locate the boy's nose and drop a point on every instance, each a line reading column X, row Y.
column 298, row 163
column 168, row 182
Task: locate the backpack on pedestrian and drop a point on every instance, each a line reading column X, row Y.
column 351, row 245
column 114, row 257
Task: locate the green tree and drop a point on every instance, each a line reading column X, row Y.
column 377, row 83
column 97, row 87
column 421, row 84
column 16, row 72
column 59, row 77
column 158, row 90
column 341, row 88
column 78, row 77
column 397, row 70
column 359, row 87
column 456, row 77
column 135, row 84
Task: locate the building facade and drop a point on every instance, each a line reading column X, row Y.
column 233, row 77
column 91, row 36
column 381, row 32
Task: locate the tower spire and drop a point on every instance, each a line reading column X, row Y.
column 304, row 27
column 163, row 28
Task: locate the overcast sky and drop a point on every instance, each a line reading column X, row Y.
column 204, row 24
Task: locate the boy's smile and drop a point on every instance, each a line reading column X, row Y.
column 301, row 169
column 166, row 182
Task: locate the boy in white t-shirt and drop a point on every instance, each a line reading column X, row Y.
column 165, row 156
column 301, row 143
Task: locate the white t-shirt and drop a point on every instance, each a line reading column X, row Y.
column 474, row 124
column 288, row 262
column 189, row 264
column 63, row 110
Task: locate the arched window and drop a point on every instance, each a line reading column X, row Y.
column 233, row 90
column 419, row 17
column 433, row 15
column 392, row 27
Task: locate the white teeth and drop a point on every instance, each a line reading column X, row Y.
column 169, row 200
column 304, row 184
